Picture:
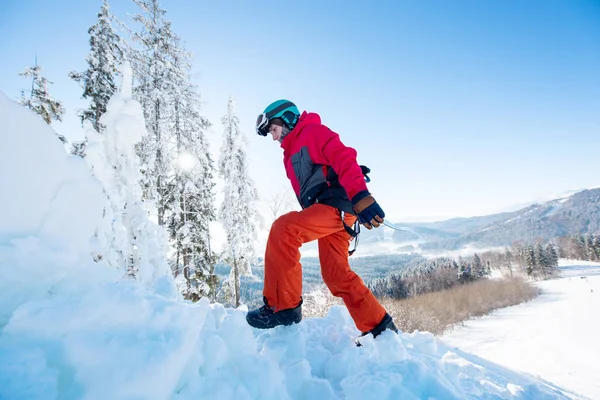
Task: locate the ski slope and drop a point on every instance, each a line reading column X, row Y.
column 554, row 337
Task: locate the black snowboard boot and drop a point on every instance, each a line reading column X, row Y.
column 266, row 318
column 386, row 323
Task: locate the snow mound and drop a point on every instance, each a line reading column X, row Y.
column 49, row 208
column 41, row 187
column 71, row 328
column 119, row 341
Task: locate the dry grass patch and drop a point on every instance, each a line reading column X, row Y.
column 439, row 311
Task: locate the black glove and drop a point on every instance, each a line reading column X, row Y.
column 368, row 211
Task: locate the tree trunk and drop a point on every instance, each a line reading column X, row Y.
column 236, row 283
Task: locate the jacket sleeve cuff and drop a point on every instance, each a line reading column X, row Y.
column 359, row 196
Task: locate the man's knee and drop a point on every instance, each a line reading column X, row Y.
column 282, row 224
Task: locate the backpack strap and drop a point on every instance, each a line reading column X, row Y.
column 352, row 232
column 355, row 231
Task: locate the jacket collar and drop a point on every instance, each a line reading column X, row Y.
column 305, row 119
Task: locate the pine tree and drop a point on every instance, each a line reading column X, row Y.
column 589, row 247
column 103, row 61
column 464, row 273
column 189, row 224
column 478, row 271
column 529, row 260
column 237, row 212
column 183, row 195
column 552, row 257
column 542, row 263
column 39, row 100
column 153, row 67
column 596, row 247
column 579, row 247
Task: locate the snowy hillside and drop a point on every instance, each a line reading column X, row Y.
column 74, row 328
column 576, row 213
column 554, row 337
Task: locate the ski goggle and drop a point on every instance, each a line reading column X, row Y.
column 262, row 125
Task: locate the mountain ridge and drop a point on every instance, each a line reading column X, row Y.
column 576, row 212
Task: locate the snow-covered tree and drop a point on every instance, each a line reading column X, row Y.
column 128, row 239
column 580, row 247
column 529, row 259
column 552, row 256
column 590, row 250
column 542, row 264
column 98, row 80
column 176, row 164
column 155, row 90
column 194, row 210
column 596, row 248
column 477, row 269
column 238, row 212
column 464, row 271
column 38, row 99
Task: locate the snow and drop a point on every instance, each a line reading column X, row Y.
column 555, row 206
column 554, row 337
column 34, row 198
column 467, row 250
column 126, row 237
column 73, row 328
column 134, row 344
column 49, row 208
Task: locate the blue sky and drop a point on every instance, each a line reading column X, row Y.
column 460, row 108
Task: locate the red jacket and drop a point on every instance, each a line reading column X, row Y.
column 311, row 150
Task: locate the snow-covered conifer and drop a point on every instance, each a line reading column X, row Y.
column 238, row 212
column 529, row 259
column 541, row 261
column 39, row 100
column 193, row 210
column 596, row 247
column 477, row 268
column 552, row 255
column 153, row 65
column 98, row 80
column 176, row 164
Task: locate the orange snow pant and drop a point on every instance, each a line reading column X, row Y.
column 283, row 272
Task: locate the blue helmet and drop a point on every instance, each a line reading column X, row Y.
column 283, row 109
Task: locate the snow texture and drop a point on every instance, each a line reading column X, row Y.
column 553, row 337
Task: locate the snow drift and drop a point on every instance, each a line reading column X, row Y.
column 73, row 328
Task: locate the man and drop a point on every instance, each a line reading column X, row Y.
column 332, row 191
